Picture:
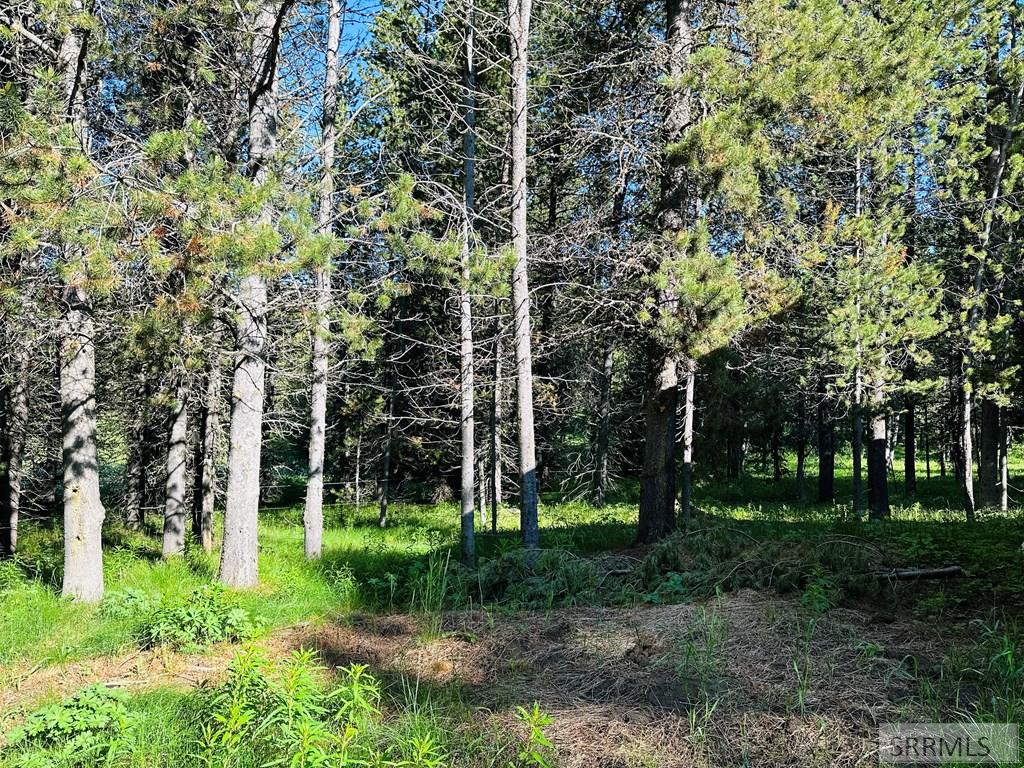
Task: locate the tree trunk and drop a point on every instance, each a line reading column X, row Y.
column 988, row 455
column 878, row 485
column 909, row 448
column 657, row 484
column 604, row 412
column 858, row 443
column 83, row 509
column 15, row 418
column 686, row 493
column 466, row 363
column 519, row 32
column 384, row 482
column 497, row 418
column 205, row 488
column 776, row 451
column 135, row 471
column 239, row 555
column 175, row 507
column 658, row 479
column 313, row 517
column 967, row 454
column 801, row 448
column 1004, row 463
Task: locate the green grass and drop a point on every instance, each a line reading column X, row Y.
column 755, row 525
column 367, row 568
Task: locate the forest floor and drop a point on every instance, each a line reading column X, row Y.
column 763, row 636
column 739, row 679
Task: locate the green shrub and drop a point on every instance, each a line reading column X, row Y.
column 81, row 730
column 205, row 617
column 127, row 603
column 11, row 576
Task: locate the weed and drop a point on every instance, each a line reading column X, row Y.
column 82, row 730
column 537, row 750
column 205, row 617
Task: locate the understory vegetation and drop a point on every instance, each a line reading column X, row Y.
column 311, row 706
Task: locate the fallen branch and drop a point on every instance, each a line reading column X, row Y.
column 913, row 574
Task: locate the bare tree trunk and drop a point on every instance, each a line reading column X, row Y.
column 927, row 445
column 910, row 448
column 175, row 507
column 858, row 443
column 878, row 486
column 83, row 509
column 1004, row 463
column 12, row 453
column 657, row 489
column 384, row 482
column 497, row 419
column 801, row 447
column 135, row 471
column 466, row 364
column 604, row 412
column 205, row 489
column 239, row 554
column 313, row 518
column 988, row 455
column 967, row 451
column 519, row 35
column 686, row 506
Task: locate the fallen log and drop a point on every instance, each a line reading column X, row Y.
column 914, row 574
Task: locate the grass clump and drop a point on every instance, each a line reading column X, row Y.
column 204, row 618
column 716, row 557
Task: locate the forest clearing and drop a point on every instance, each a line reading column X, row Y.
column 759, row 654
column 511, row 383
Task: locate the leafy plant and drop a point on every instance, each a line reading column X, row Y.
column 82, row 730
column 537, row 749
column 205, row 617
column 129, row 603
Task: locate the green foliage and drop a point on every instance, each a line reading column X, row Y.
column 537, row 750
column 86, row 729
column 205, row 617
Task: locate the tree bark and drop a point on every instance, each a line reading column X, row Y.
column 466, row 363
column 604, row 412
column 657, row 481
column 12, row 452
column 313, row 517
column 657, row 488
column 1004, row 463
column 910, row 448
column 967, row 454
column 239, row 554
column 497, row 419
column 204, row 496
column 519, row 35
column 857, row 445
column 801, row 447
column 686, row 492
column 384, row 482
column 175, row 507
column 135, row 471
column 83, row 509
column 878, row 486
column 988, row 455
